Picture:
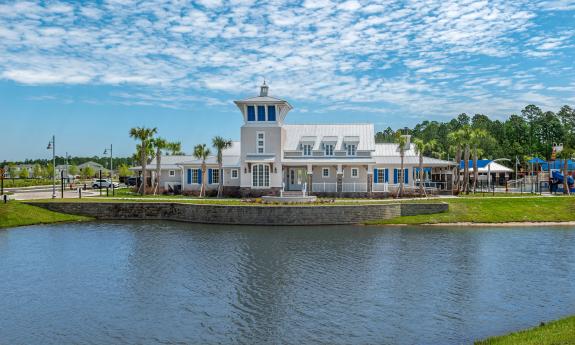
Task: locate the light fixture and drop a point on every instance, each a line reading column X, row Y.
column 49, row 145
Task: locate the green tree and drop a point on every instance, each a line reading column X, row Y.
column 478, row 138
column 72, row 170
column 220, row 144
column 159, row 145
column 202, row 152
column 23, row 173
column 565, row 155
column 124, row 170
column 37, row 171
column 145, row 136
column 88, row 172
column 13, row 171
column 456, row 141
column 401, row 141
column 49, row 170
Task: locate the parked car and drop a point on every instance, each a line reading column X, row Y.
column 104, row 184
column 133, row 181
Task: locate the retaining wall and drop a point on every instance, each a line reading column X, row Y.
column 246, row 215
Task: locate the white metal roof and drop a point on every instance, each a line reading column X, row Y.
column 494, row 167
column 388, row 153
column 296, row 133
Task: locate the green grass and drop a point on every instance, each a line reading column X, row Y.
column 560, row 332
column 496, row 210
column 15, row 213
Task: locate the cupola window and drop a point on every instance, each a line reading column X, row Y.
column 261, row 113
column 251, row 113
column 271, row 112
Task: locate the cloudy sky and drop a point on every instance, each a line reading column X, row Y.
column 88, row 71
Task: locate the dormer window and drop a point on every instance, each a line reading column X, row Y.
column 307, row 149
column 351, row 149
column 328, row 149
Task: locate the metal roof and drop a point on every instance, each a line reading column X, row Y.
column 296, row 133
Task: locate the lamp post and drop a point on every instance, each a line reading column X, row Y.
column 489, row 172
column 52, row 145
column 111, row 163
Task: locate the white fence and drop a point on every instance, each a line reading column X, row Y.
column 380, row 187
column 324, row 187
column 354, row 187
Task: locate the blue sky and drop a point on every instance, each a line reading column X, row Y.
column 89, row 71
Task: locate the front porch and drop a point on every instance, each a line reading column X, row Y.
column 326, row 179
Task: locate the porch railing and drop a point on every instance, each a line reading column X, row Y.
column 380, row 187
column 324, row 187
column 354, row 187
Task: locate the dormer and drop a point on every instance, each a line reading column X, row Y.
column 350, row 144
column 263, row 110
column 328, row 145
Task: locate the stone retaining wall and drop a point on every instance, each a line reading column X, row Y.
column 245, row 215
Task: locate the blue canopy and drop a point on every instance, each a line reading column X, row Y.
column 558, row 165
column 536, row 160
column 481, row 163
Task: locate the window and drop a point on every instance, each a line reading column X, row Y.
column 307, row 150
column 381, row 175
column 261, row 113
column 325, row 172
column 235, row 173
column 251, row 113
column 194, row 176
column 271, row 112
column 354, row 172
column 172, row 173
column 260, row 142
column 328, row 150
column 261, row 175
column 351, row 150
column 215, row 176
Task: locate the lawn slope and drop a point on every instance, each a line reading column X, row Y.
column 15, row 213
column 560, row 332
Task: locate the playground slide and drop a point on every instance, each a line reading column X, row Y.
column 558, row 182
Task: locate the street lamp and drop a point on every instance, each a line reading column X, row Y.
column 52, row 145
column 111, row 163
column 489, row 171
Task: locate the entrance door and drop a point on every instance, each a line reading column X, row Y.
column 296, row 178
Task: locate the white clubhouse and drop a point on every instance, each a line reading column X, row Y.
column 323, row 159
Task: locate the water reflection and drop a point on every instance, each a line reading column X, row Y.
column 155, row 282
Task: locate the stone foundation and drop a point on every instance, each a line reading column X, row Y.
column 244, row 215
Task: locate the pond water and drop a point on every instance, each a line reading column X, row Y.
column 168, row 283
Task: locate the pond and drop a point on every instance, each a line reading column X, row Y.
column 163, row 282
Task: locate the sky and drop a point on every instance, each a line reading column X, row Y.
column 88, row 71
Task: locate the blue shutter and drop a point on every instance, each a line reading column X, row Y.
column 261, row 113
column 394, row 175
column 406, row 176
column 375, row 173
column 251, row 113
column 199, row 176
column 209, row 176
column 189, row 176
column 271, row 112
column 386, row 175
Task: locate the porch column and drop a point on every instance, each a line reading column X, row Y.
column 370, row 178
column 309, row 179
column 339, row 178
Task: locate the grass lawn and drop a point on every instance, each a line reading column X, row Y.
column 560, row 332
column 9, row 183
column 15, row 213
column 495, row 210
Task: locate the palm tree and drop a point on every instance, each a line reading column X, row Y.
column 202, row 152
column 175, row 148
column 220, row 144
column 456, row 140
column 401, row 141
column 466, row 140
column 420, row 148
column 476, row 138
column 159, row 144
column 144, row 135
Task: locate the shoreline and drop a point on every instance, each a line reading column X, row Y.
column 499, row 224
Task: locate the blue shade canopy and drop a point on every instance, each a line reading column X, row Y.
column 558, row 165
column 481, row 163
column 536, row 160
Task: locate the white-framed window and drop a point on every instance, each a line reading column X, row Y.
column 260, row 142
column 195, row 176
column 328, row 149
column 215, row 176
column 172, row 173
column 235, row 174
column 260, row 175
column 351, row 149
column 325, row 172
column 307, row 149
column 354, row 172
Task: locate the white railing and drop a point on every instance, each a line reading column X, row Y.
column 354, row 187
column 380, row 187
column 324, row 187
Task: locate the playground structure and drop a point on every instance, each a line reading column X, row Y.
column 556, row 182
